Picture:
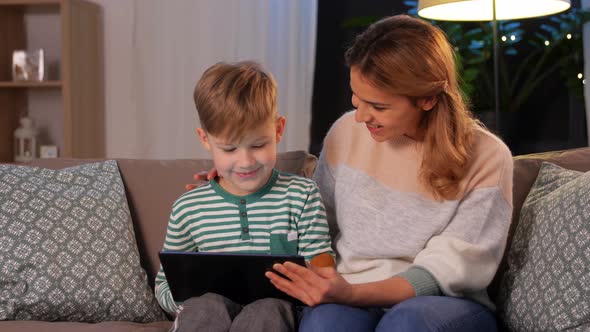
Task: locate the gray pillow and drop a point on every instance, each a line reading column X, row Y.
column 67, row 247
column 547, row 285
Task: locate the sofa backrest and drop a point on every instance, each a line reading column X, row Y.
column 526, row 169
column 153, row 185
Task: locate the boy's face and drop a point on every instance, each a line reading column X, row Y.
column 245, row 166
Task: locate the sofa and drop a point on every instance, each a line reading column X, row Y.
column 152, row 185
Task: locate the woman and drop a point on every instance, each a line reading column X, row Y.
column 418, row 195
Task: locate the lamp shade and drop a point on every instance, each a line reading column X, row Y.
column 481, row 10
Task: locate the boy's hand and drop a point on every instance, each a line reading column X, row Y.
column 202, row 176
column 323, row 260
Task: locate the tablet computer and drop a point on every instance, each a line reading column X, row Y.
column 237, row 276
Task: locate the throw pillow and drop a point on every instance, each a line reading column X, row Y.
column 67, row 247
column 547, row 285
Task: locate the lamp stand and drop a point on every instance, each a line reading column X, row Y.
column 496, row 52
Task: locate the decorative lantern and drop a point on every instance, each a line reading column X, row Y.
column 25, row 138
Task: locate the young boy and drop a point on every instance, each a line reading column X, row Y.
column 250, row 207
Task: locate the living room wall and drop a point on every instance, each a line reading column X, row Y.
column 154, row 52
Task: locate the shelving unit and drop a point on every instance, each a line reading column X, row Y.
column 68, row 107
column 44, row 84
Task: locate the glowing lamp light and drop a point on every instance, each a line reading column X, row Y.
column 482, row 10
column 490, row 10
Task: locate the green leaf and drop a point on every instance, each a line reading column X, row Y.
column 510, row 51
column 470, row 74
column 511, row 26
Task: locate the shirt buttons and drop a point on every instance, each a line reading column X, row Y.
column 242, row 201
column 245, row 230
column 243, row 214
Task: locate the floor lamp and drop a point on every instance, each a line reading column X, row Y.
column 490, row 10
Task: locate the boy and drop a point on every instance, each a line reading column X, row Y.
column 250, row 207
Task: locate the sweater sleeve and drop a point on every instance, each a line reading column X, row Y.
column 464, row 256
column 422, row 281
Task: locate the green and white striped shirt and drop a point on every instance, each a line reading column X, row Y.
column 286, row 216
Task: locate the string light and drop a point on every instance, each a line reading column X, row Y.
column 568, row 36
column 547, row 43
column 503, row 38
column 580, row 75
column 513, row 37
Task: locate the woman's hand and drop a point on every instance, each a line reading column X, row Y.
column 311, row 285
column 202, row 176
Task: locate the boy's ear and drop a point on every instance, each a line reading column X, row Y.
column 281, row 121
column 427, row 103
column 204, row 139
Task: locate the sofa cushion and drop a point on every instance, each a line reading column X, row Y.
column 526, row 168
column 546, row 285
column 68, row 249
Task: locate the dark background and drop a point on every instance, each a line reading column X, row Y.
column 553, row 118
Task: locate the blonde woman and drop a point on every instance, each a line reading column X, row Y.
column 418, row 195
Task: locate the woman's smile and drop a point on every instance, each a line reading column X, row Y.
column 374, row 129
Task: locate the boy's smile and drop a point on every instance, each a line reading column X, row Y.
column 247, row 175
column 245, row 166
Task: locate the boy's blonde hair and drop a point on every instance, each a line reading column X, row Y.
column 233, row 98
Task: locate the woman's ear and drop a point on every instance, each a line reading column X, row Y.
column 427, row 103
column 204, row 138
column 281, row 121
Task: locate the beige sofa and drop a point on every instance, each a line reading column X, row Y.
column 152, row 185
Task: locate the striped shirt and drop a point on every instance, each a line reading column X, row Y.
column 286, row 216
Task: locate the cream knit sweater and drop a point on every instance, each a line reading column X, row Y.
column 386, row 223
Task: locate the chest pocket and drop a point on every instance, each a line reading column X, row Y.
column 283, row 244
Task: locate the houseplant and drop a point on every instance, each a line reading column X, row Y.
column 531, row 52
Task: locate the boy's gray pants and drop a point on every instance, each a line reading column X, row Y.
column 213, row 312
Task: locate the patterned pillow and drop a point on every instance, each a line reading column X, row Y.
column 67, row 247
column 547, row 285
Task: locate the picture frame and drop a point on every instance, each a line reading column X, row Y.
column 48, row 151
column 28, row 65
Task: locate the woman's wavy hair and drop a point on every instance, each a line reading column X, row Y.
column 411, row 57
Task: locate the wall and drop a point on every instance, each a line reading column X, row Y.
column 154, row 52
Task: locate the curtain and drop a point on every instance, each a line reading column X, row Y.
column 155, row 51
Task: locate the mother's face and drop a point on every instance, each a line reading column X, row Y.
column 387, row 116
